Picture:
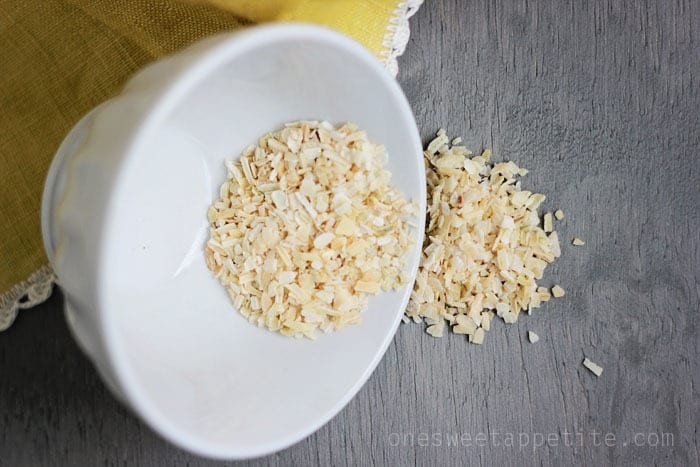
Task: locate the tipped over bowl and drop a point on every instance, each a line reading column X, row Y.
column 124, row 224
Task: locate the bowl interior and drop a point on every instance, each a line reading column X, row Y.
column 202, row 374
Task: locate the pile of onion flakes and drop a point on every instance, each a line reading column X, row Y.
column 484, row 248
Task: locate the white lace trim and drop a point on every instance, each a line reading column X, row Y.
column 397, row 34
column 27, row 294
column 37, row 288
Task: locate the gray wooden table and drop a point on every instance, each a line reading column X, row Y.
column 601, row 101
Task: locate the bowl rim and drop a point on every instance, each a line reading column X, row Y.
column 176, row 87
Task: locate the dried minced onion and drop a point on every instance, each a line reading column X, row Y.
column 593, row 367
column 306, row 227
column 484, row 248
column 558, row 291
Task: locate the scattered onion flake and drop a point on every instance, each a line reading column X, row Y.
column 558, row 291
column 484, row 248
column 593, row 367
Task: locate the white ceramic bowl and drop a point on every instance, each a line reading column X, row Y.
column 124, row 223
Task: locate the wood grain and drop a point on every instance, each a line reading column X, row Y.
column 600, row 100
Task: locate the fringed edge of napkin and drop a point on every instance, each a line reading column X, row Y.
column 398, row 33
column 36, row 289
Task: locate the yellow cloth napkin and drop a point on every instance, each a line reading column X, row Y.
column 60, row 58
